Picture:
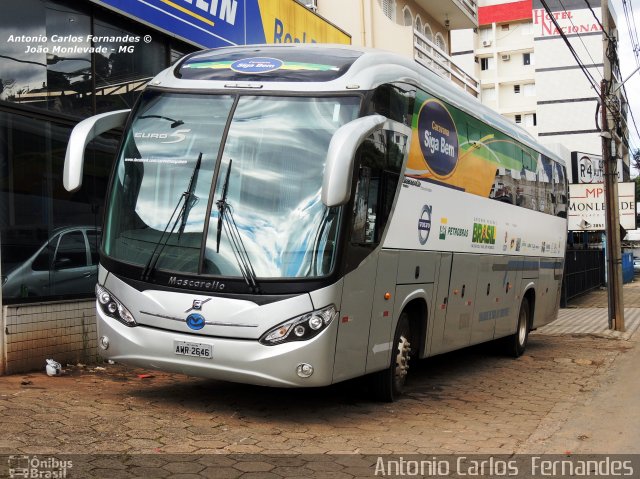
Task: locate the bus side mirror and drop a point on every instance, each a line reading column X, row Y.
column 82, row 134
column 338, row 173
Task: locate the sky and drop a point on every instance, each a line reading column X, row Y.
column 628, row 65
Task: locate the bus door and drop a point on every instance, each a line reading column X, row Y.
column 507, row 297
column 461, row 302
column 366, row 317
column 495, row 298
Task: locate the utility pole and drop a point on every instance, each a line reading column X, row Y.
column 612, row 215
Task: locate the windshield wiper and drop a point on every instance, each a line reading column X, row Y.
column 227, row 222
column 222, row 206
column 190, row 199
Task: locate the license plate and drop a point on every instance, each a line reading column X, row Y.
column 199, row 350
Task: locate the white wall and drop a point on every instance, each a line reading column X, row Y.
column 464, row 41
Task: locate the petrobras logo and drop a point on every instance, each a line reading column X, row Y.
column 256, row 65
column 424, row 224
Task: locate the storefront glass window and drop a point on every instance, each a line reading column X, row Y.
column 49, row 79
column 44, row 57
column 50, row 237
column 129, row 64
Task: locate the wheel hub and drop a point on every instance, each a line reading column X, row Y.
column 402, row 358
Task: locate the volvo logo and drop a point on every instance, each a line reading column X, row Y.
column 197, row 304
column 424, row 224
column 195, row 321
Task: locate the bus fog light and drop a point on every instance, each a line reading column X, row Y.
column 104, row 342
column 304, row 370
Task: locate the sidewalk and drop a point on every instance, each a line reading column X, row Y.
column 589, row 314
column 608, row 419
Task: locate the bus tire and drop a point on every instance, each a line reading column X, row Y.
column 388, row 384
column 517, row 342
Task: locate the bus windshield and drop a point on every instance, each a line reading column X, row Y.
column 267, row 161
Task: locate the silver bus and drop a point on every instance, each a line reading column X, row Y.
column 301, row 215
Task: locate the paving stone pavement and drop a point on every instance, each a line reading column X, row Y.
column 169, row 425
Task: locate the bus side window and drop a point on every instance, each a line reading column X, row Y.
column 381, row 157
column 394, row 102
column 364, row 207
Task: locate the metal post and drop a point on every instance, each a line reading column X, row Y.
column 612, row 216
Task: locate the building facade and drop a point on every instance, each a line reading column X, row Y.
column 528, row 73
column 503, row 57
column 60, row 62
column 418, row 29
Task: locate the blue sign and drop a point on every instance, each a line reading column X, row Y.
column 256, row 65
column 438, row 138
column 207, row 23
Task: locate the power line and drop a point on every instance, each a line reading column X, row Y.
column 631, row 25
column 631, row 29
column 606, row 34
column 593, row 62
column 611, row 55
column 590, row 78
column 633, row 118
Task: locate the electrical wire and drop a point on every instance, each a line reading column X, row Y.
column 593, row 62
column 611, row 56
column 606, row 34
column 631, row 26
column 587, row 74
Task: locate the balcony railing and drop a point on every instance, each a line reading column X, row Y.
column 471, row 6
column 429, row 55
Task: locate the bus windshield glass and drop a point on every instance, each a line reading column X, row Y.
column 268, row 159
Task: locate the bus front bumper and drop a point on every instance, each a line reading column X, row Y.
column 236, row 360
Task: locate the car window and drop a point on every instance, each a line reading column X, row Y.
column 71, row 252
column 43, row 260
column 94, row 240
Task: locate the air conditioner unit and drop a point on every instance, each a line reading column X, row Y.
column 506, row 57
column 486, row 43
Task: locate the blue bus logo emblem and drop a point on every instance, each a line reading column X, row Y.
column 424, row 224
column 256, row 65
column 195, row 321
column 438, row 138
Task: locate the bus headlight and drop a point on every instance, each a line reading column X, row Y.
column 114, row 308
column 300, row 328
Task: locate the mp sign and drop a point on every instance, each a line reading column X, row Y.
column 587, row 208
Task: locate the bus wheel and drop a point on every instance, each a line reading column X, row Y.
column 516, row 343
column 389, row 383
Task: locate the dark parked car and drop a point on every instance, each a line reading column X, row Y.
column 67, row 264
